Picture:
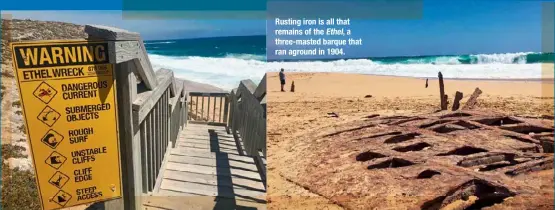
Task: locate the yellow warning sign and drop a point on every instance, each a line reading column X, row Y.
column 68, row 94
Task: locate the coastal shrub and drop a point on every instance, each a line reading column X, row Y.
column 16, row 103
column 22, row 128
column 7, row 74
column 12, row 151
column 19, row 189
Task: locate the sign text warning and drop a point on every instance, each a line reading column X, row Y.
column 68, row 94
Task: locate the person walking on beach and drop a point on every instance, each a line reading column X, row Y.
column 282, row 79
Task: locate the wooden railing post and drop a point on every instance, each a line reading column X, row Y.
column 129, row 56
column 126, row 46
column 131, row 170
column 149, row 120
column 226, row 112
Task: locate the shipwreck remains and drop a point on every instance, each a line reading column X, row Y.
column 456, row 160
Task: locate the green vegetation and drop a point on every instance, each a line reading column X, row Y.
column 16, row 103
column 19, row 189
column 22, row 128
column 7, row 74
column 12, row 151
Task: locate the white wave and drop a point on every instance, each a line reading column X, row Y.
column 507, row 58
column 227, row 72
column 246, row 56
column 166, row 42
column 501, row 58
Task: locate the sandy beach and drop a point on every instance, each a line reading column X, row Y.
column 294, row 116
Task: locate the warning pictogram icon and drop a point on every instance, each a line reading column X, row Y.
column 45, row 92
column 58, row 179
column 55, row 160
column 48, row 116
column 61, row 198
column 52, row 139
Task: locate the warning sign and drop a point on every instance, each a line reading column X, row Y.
column 59, row 179
column 52, row 139
column 45, row 92
column 61, row 198
column 55, row 160
column 48, row 116
column 68, row 95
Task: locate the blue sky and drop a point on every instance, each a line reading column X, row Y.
column 447, row 27
column 151, row 29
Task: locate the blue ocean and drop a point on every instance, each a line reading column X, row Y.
column 224, row 61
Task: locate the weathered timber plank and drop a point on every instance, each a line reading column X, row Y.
column 184, row 139
column 111, row 33
column 206, row 179
column 211, row 162
column 230, row 157
column 457, row 100
column 144, row 157
column 146, row 71
column 194, row 143
column 156, row 131
column 130, row 143
column 208, row 190
column 173, row 87
column 178, row 151
column 260, row 91
column 473, row 100
column 226, row 151
column 205, row 136
column 162, row 169
column 206, row 127
column 146, row 100
column 208, row 93
column 143, row 65
column 175, row 99
column 150, row 152
column 122, row 51
column 191, row 133
column 201, row 143
column 206, row 146
column 443, row 103
column 249, row 85
column 177, row 194
column 185, row 187
column 212, row 170
column 203, row 128
column 167, row 199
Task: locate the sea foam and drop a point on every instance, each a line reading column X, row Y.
column 226, row 72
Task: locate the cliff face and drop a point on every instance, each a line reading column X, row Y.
column 13, row 129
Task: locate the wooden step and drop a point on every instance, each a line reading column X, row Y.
column 210, row 170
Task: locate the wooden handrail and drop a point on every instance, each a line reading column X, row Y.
column 146, row 100
column 244, row 115
column 216, row 110
column 152, row 113
column 248, row 120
